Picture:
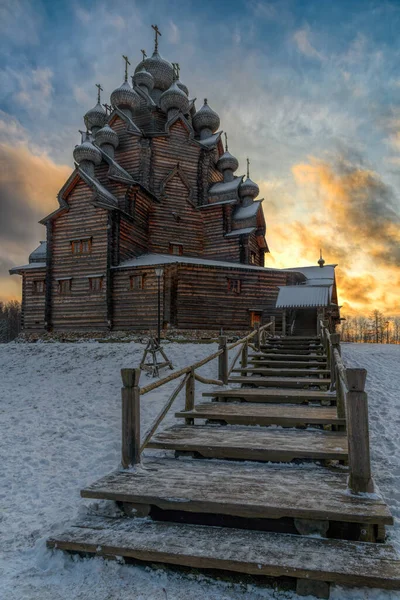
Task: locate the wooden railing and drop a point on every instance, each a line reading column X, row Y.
column 132, row 446
column 352, row 404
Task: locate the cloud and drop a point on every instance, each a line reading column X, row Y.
column 173, row 33
column 301, row 37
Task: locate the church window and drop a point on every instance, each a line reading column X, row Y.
column 38, row 286
column 253, row 258
column 83, row 246
column 64, row 286
column 234, row 286
column 176, row 249
column 137, row 282
column 96, row 284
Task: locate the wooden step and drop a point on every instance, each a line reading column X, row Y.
column 264, row 444
column 272, row 395
column 297, row 357
column 283, row 372
column 251, row 552
column 289, row 351
column 291, row 382
column 284, row 415
column 238, row 489
column 287, row 364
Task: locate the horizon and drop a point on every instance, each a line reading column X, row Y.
column 310, row 94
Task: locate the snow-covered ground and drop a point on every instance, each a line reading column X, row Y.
column 60, row 430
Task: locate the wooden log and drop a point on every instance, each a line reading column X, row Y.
column 189, row 394
column 130, row 417
column 223, row 368
column 284, row 322
column 245, row 357
column 257, row 341
column 335, row 344
column 273, row 325
column 360, row 479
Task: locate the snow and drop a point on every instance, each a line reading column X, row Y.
column 162, row 259
column 60, row 431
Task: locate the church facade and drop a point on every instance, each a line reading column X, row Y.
column 154, row 199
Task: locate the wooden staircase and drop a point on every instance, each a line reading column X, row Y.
column 236, row 513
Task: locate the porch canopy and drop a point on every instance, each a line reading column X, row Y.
column 316, row 291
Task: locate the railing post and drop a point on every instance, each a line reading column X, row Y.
column 223, row 367
column 273, row 325
column 360, row 479
column 284, row 322
column 130, row 394
column 244, row 357
column 189, row 397
column 335, row 344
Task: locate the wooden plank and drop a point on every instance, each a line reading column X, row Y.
column 289, row 364
column 262, row 444
column 252, row 552
column 272, row 395
column 292, row 382
column 254, row 491
column 283, row 371
column 297, row 357
column 290, row 351
column 285, row 415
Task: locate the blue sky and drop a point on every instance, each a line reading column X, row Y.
column 308, row 89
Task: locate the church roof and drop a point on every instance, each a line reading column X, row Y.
column 39, row 254
column 244, row 231
column 246, row 212
column 30, row 267
column 303, row 296
column 317, row 275
column 149, row 260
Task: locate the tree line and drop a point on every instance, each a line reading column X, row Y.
column 10, row 320
column 374, row 329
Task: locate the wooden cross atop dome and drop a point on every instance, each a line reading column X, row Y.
column 126, row 59
column 99, row 89
column 144, row 54
column 157, row 32
column 248, row 167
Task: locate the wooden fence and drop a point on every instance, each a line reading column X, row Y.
column 132, row 446
column 352, row 404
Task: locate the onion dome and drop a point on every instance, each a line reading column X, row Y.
column 227, row 161
column 106, row 135
column 182, row 87
column 174, row 98
column 87, row 151
column 125, row 97
column 248, row 189
column 144, row 78
column 95, row 117
column 161, row 70
column 321, row 261
column 206, row 118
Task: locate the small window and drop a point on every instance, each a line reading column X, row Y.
column 81, row 246
column 176, row 249
column 255, row 317
column 38, row 286
column 253, row 257
column 234, row 286
column 64, row 286
column 137, row 282
column 95, row 284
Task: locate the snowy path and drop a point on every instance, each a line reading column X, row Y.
column 60, row 430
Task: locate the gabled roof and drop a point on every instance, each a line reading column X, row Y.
column 303, row 296
column 225, row 190
column 244, row 231
column 211, row 141
column 30, row 267
column 317, row 275
column 39, row 254
column 101, row 194
column 115, row 171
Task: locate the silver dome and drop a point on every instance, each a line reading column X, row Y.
column 206, row 118
column 227, row 161
column 143, row 77
column 87, row 151
column 125, row 97
column 182, row 87
column 248, row 188
column 106, row 135
column 174, row 97
column 161, row 70
column 95, row 117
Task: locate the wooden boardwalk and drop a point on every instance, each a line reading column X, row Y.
column 235, row 512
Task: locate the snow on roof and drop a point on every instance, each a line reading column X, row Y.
column 147, row 260
column 39, row 254
column 225, row 187
column 30, row 267
column 244, row 231
column 317, row 275
column 246, row 212
column 210, row 141
column 304, row 296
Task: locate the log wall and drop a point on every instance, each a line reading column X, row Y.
column 33, row 303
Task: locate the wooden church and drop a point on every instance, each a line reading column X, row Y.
column 155, row 193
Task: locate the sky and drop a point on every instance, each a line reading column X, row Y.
column 308, row 89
